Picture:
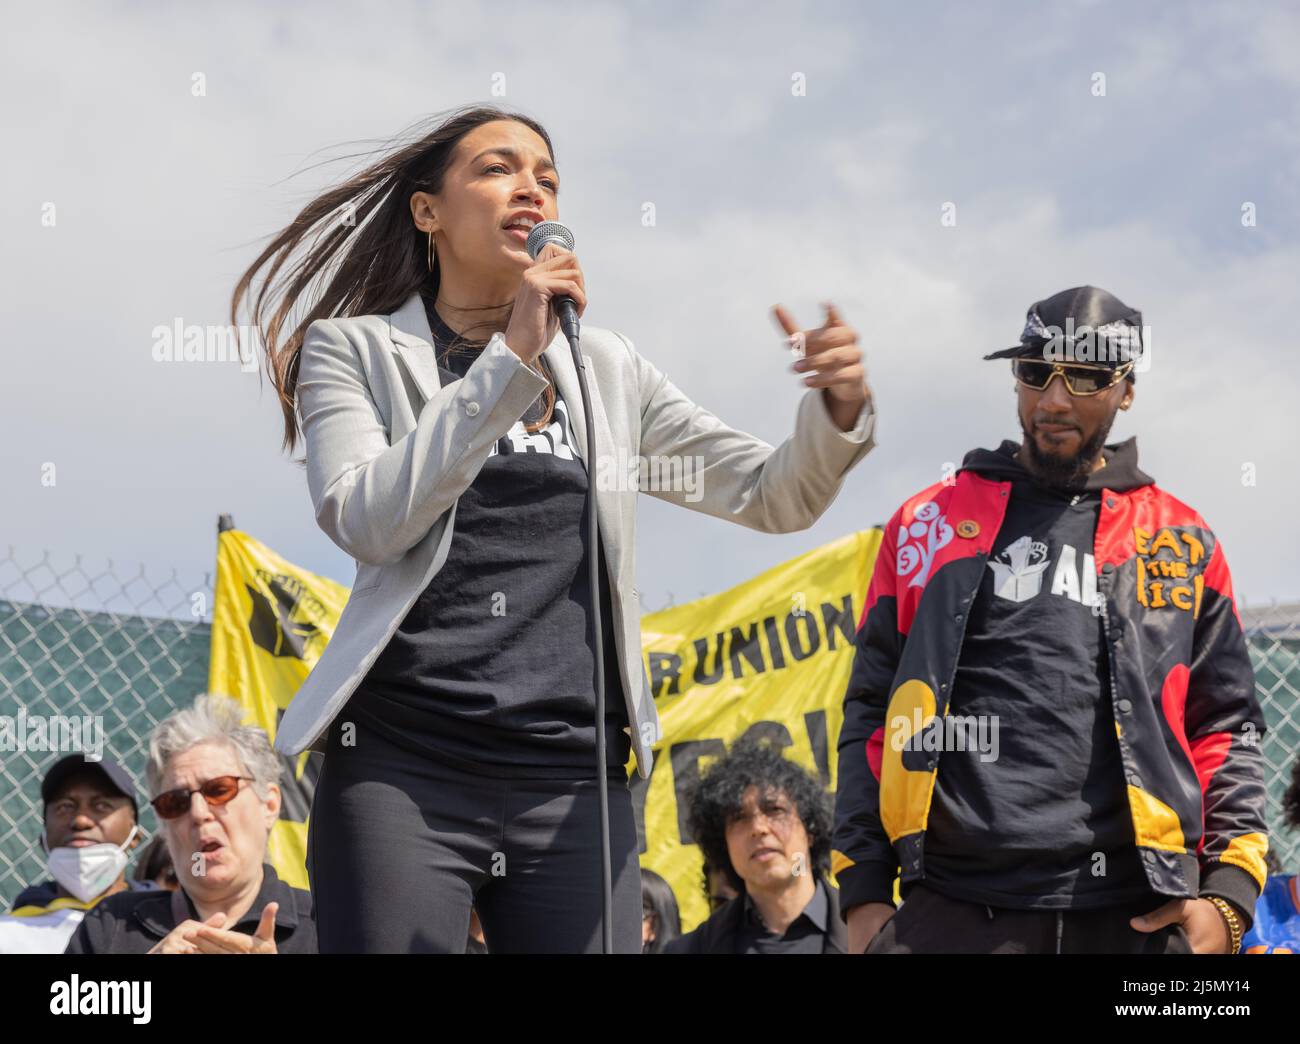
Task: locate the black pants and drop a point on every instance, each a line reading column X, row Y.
column 928, row 922
column 399, row 847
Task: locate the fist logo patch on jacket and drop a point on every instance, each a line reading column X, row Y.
column 1018, row 571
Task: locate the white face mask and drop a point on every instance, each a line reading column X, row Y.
column 86, row 871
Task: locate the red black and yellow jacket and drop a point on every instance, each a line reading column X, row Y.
column 1183, row 692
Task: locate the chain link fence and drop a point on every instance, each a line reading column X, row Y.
column 77, row 640
column 131, row 648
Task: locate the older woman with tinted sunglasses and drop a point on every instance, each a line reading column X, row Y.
column 216, row 791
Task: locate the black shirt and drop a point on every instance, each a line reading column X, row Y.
column 1049, row 812
column 135, row 922
column 493, row 668
column 806, row 933
column 735, row 927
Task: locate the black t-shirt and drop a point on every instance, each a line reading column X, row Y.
column 493, row 668
column 1045, row 824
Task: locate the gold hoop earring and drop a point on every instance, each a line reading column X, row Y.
column 433, row 251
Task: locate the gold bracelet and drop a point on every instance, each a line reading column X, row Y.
column 1231, row 918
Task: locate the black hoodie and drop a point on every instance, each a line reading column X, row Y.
column 1120, row 473
column 1044, row 803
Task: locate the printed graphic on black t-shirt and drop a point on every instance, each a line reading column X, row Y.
column 1045, row 823
column 493, row 668
column 556, row 438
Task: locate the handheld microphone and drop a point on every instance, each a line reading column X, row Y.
column 565, row 309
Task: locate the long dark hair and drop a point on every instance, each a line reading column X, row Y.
column 363, row 242
column 659, row 902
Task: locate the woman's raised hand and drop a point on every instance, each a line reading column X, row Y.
column 533, row 324
column 833, row 360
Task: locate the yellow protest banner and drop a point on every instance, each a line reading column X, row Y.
column 270, row 622
column 771, row 655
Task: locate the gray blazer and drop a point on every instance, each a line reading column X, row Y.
column 390, row 450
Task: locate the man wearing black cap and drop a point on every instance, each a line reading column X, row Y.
column 91, row 814
column 1084, row 618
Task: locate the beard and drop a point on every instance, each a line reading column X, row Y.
column 1066, row 472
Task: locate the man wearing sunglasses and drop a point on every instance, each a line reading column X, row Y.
column 1052, row 597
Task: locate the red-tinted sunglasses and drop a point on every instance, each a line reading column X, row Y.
column 217, row 791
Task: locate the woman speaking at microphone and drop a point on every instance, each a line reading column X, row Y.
column 445, row 452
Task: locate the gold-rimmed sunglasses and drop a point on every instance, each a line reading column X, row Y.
column 1080, row 379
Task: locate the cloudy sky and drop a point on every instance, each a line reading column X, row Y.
column 160, row 199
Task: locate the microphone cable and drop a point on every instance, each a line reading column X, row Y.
column 555, row 232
